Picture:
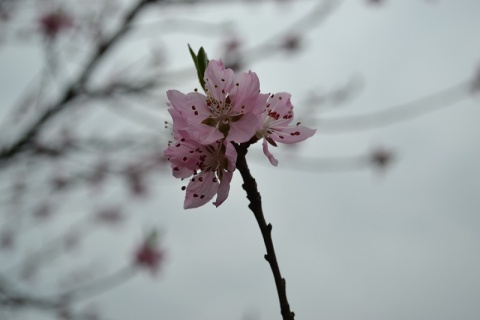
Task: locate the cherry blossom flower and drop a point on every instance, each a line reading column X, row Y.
column 276, row 127
column 206, row 127
column 229, row 111
column 55, row 22
column 149, row 255
column 211, row 165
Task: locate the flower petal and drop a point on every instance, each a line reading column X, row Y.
column 245, row 92
column 179, row 123
column 243, row 129
column 177, row 99
column 205, row 134
column 200, row 190
column 218, row 80
column 231, row 155
column 196, row 107
column 270, row 156
column 292, row 134
column 181, row 172
column 281, row 104
column 224, row 188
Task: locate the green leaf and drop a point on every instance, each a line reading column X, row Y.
column 194, row 56
column 201, row 61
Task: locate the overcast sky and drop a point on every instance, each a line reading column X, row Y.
column 361, row 245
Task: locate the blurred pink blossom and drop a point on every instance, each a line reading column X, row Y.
column 55, row 22
column 149, row 255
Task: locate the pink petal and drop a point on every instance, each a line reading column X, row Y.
column 181, row 172
column 196, row 107
column 259, row 106
column 270, row 156
column 245, row 92
column 218, row 80
column 292, row 134
column 205, row 134
column 244, row 129
column 223, row 189
column 179, row 123
column 177, row 99
column 231, row 155
column 281, row 104
column 200, row 190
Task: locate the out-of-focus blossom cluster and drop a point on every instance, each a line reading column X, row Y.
column 55, row 22
column 149, row 255
column 233, row 110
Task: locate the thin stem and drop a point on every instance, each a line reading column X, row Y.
column 100, row 286
column 250, row 186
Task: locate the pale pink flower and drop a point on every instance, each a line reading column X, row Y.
column 275, row 126
column 230, row 109
column 149, row 255
column 211, row 165
column 55, row 22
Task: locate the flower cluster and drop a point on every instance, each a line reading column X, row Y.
column 205, row 126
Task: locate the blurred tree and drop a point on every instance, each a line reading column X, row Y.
column 89, row 120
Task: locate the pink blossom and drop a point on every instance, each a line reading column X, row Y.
column 211, row 165
column 206, row 127
column 229, row 111
column 276, row 126
column 149, row 255
column 55, row 22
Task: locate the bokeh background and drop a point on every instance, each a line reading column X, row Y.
column 356, row 237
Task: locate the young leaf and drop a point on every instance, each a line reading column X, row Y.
column 201, row 61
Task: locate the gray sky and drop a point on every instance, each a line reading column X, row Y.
column 358, row 245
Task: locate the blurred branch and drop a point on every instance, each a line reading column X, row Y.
column 11, row 299
column 73, row 91
column 123, row 88
column 377, row 159
column 396, row 114
column 185, row 25
column 51, row 248
column 299, row 28
column 99, row 286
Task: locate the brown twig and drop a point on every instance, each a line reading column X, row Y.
column 250, row 186
column 76, row 87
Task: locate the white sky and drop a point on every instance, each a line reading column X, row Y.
column 356, row 245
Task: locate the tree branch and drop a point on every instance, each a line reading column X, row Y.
column 250, row 186
column 75, row 88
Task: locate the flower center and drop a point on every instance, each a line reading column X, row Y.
column 214, row 159
column 221, row 114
